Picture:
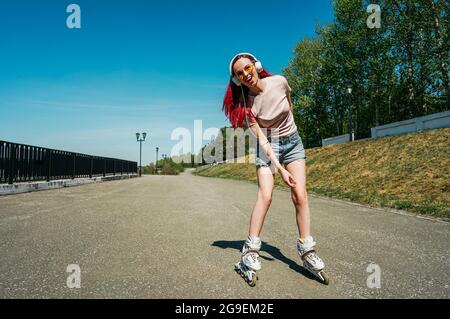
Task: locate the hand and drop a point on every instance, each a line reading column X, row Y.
column 287, row 177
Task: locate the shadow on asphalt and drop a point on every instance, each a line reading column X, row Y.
column 272, row 250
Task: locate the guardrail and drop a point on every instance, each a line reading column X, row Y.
column 23, row 163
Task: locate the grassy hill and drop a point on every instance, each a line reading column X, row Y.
column 410, row 172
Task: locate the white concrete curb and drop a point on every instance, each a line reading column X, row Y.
column 10, row 189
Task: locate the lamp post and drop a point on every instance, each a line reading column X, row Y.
column 140, row 140
column 156, row 162
column 350, row 120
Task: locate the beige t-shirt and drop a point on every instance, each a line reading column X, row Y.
column 271, row 107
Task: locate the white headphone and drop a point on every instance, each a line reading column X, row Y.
column 258, row 66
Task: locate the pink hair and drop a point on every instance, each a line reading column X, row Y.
column 233, row 104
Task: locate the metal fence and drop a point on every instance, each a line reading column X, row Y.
column 23, row 163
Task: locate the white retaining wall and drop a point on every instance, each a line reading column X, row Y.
column 432, row 121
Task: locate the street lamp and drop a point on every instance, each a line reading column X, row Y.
column 156, row 162
column 140, row 140
column 349, row 91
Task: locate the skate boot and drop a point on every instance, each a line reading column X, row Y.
column 249, row 263
column 311, row 261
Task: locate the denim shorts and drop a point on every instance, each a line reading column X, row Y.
column 286, row 148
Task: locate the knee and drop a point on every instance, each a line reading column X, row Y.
column 299, row 198
column 265, row 197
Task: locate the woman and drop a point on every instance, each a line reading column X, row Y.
column 264, row 101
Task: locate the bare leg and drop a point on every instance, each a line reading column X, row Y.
column 300, row 197
column 265, row 189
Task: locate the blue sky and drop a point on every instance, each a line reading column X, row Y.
column 134, row 66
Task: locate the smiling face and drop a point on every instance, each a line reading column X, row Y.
column 245, row 71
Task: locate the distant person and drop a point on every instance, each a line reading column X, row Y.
column 264, row 101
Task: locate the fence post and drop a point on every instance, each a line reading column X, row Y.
column 73, row 170
column 92, row 166
column 49, row 164
column 12, row 162
column 104, row 167
column 114, row 169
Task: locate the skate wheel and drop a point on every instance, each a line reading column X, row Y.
column 252, row 283
column 326, row 280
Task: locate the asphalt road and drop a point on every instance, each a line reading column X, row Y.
column 179, row 236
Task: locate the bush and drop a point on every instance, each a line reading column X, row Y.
column 168, row 170
column 165, row 167
column 149, row 169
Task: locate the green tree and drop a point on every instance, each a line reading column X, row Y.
column 396, row 72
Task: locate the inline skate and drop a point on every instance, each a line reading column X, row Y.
column 249, row 263
column 311, row 261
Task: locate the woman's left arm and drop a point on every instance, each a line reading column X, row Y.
column 288, row 94
column 290, row 102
